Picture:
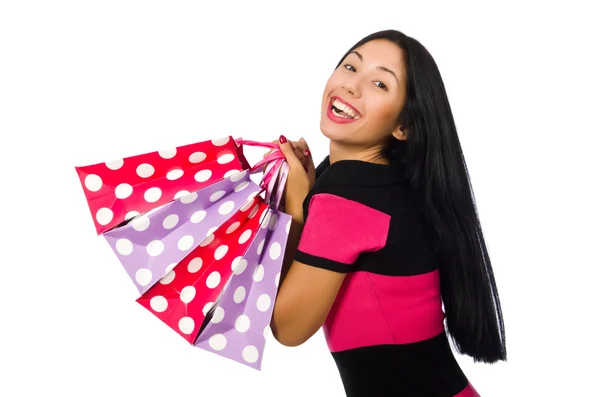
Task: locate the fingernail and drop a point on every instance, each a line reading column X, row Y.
column 307, row 152
column 282, row 139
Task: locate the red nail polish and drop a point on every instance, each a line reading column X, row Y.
column 307, row 152
column 282, row 139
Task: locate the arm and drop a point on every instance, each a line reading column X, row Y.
column 303, row 302
column 337, row 231
column 321, row 250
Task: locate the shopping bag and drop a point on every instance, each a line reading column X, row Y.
column 118, row 190
column 151, row 244
column 220, row 296
column 240, row 321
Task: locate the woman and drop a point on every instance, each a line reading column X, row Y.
column 386, row 243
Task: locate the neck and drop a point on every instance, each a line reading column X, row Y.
column 338, row 152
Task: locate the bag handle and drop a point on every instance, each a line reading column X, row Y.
column 275, row 155
column 275, row 171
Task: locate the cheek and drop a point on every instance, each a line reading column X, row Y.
column 383, row 112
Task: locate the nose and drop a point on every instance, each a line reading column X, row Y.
column 351, row 86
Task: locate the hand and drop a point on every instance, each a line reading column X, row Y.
column 301, row 176
column 300, row 150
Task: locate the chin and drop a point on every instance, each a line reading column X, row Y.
column 336, row 132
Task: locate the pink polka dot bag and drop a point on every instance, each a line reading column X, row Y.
column 201, row 245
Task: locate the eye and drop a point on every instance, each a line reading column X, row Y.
column 350, row 67
column 381, row 85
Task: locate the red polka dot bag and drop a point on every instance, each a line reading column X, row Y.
column 207, row 261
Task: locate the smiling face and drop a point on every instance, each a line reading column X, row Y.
column 364, row 96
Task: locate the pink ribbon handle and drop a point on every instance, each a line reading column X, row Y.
column 275, row 172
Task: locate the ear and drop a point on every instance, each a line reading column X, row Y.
column 399, row 133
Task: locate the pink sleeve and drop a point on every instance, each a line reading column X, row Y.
column 337, row 230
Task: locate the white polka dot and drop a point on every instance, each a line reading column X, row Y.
column 124, row 246
column 254, row 211
column 187, row 294
column 155, row 248
column 185, row 243
column 263, row 303
column 217, row 342
column 236, row 175
column 207, row 240
column 104, row 216
column 274, row 222
column 168, row 278
column 207, row 307
column 189, row 198
column 174, row 174
column 195, row 265
column 233, row 227
column 220, row 141
column 211, row 231
column 159, row 303
column 197, row 157
column 180, row 194
column 242, row 323
column 239, row 295
column 252, row 195
column 170, row 268
column 218, row 315
column 93, row 182
column 241, row 266
column 153, row 194
column 115, row 164
column 186, row 325
column 145, row 170
column 260, row 247
column 131, row 214
column 275, row 251
column 230, row 173
column 168, row 153
column 221, row 252
column 226, row 158
column 266, row 332
column 203, row 176
column 123, row 191
column 277, row 277
column 170, row 221
column 226, row 208
column 198, row 216
column 288, row 226
column 242, row 186
column 213, row 280
column 143, row 276
column 140, row 224
column 247, row 205
column 259, row 273
column 216, row 196
column 250, row 354
column 245, row 236
column 235, row 263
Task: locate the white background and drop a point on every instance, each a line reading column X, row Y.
column 89, row 81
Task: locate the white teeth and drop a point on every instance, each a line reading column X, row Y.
column 347, row 110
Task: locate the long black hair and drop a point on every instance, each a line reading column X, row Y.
column 439, row 180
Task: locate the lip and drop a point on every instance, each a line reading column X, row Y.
column 337, row 119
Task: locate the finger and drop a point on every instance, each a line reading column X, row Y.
column 301, row 156
column 310, row 164
column 302, row 144
column 290, row 156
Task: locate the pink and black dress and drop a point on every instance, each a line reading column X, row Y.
column 385, row 330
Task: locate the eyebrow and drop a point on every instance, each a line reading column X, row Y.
column 378, row 67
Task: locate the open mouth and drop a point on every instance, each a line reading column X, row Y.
column 341, row 110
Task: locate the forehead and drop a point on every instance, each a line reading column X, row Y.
column 381, row 53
